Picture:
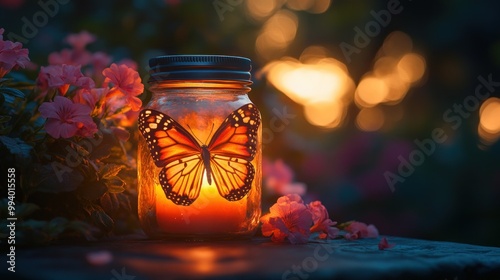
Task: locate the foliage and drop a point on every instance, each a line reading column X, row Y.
column 67, row 136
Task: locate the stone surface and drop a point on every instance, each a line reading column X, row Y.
column 257, row 258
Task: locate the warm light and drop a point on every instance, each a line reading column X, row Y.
column 203, row 258
column 278, row 32
column 319, row 83
column 397, row 88
column 299, row 5
column 190, row 261
column 394, row 71
column 486, row 137
column 489, row 120
column 319, row 6
column 370, row 119
column 203, row 212
column 384, row 66
column 411, row 67
column 327, row 115
column 371, row 91
column 309, row 83
column 260, row 9
column 312, row 6
column 314, row 54
column 396, row 44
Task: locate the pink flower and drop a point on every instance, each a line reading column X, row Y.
column 99, row 258
column 360, row 230
column 278, row 178
column 127, row 119
column 11, row 4
column 288, row 218
column 66, row 119
column 90, row 97
column 384, row 244
column 99, row 62
column 129, row 62
column 293, row 197
column 70, row 57
column 80, row 40
column 322, row 223
column 126, row 85
column 62, row 77
column 12, row 55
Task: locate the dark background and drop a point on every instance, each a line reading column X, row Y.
column 452, row 196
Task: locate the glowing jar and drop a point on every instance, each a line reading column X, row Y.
column 199, row 154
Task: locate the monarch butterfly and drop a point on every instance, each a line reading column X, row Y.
column 226, row 159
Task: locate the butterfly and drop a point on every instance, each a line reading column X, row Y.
column 226, row 160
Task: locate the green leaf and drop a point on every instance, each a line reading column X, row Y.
column 102, row 219
column 18, row 79
column 115, row 185
column 92, row 190
column 108, row 171
column 26, row 209
column 16, row 146
column 13, row 92
column 109, row 202
column 103, row 149
column 58, row 177
column 4, row 119
column 82, row 228
column 81, row 150
column 124, row 201
column 56, row 226
column 344, row 225
column 34, row 224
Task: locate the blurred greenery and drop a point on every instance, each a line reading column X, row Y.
column 452, row 196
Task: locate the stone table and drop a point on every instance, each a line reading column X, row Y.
column 258, row 258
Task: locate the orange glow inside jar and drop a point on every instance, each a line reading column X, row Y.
column 201, row 107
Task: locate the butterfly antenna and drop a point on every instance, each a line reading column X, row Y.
column 210, row 134
column 194, row 135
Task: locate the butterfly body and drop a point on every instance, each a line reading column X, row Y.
column 226, row 160
column 205, row 156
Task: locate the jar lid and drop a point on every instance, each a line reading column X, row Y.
column 200, row 67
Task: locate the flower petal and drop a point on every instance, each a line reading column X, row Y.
column 384, row 244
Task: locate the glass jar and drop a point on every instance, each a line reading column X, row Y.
column 199, row 157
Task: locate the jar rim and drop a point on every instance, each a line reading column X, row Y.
column 199, row 67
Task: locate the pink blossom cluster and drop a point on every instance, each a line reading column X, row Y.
column 293, row 220
column 76, row 97
column 278, row 178
column 12, row 55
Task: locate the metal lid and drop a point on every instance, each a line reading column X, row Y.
column 200, row 67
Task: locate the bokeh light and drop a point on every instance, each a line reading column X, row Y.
column 396, row 44
column 489, row 120
column 312, row 6
column 411, row 67
column 370, row 119
column 371, row 91
column 395, row 70
column 261, row 9
column 277, row 33
column 321, row 84
column 325, row 114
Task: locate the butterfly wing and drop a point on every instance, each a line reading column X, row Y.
column 233, row 176
column 181, row 179
column 173, row 148
column 232, row 149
